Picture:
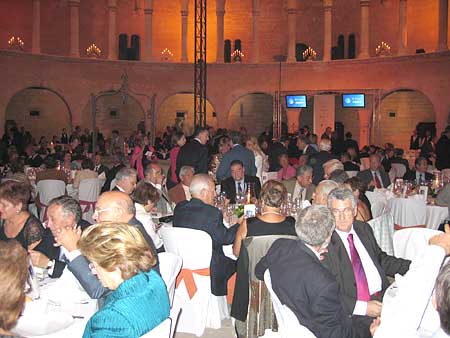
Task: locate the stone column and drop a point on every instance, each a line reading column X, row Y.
column 255, row 49
column 292, row 29
column 74, row 10
column 184, row 29
column 112, row 38
column 36, row 37
column 402, row 28
column 443, row 26
column 364, row 45
column 148, row 12
column 327, row 6
column 220, row 13
column 364, row 126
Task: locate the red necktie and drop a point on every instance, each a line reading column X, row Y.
column 377, row 180
column 362, row 286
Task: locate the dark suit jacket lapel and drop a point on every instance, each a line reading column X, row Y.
column 343, row 260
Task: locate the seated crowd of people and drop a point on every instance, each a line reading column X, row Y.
column 325, row 264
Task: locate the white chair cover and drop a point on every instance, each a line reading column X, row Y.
column 378, row 202
column 161, row 331
column 400, row 169
column 269, row 175
column 289, row 326
column 352, row 173
column 88, row 193
column 169, row 266
column 411, row 243
column 204, row 309
column 383, row 230
column 48, row 190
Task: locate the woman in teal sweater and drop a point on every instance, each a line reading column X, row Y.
column 122, row 261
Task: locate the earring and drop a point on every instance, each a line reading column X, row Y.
column 17, row 211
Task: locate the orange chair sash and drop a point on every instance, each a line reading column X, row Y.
column 399, row 227
column 188, row 276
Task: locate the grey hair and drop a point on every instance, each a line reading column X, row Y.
column 125, row 173
column 69, row 206
column 303, row 169
column 325, row 145
column 314, row 225
column 199, row 183
column 325, row 186
column 184, row 169
column 341, row 194
column 339, row 176
column 334, row 164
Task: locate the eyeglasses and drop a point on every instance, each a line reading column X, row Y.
column 346, row 212
column 100, row 210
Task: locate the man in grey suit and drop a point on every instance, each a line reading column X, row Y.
column 375, row 176
column 112, row 206
column 237, row 152
column 153, row 174
column 302, row 186
column 357, row 262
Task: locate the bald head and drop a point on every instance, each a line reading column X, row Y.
column 114, row 206
column 202, row 187
column 322, row 191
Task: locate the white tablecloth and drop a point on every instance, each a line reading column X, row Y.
column 62, row 310
column 414, row 211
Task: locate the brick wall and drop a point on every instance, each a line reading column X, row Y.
column 410, row 108
column 53, row 116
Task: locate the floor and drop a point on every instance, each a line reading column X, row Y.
column 226, row 331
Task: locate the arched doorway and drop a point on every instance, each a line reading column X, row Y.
column 252, row 111
column 41, row 111
column 178, row 110
column 115, row 112
column 399, row 113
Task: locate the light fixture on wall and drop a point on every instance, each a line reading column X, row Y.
column 237, row 56
column 166, row 55
column 93, row 51
column 309, row 54
column 16, row 42
column 383, row 49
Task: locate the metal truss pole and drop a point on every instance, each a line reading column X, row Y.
column 200, row 64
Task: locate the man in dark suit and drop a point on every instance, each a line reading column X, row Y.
column 181, row 192
column 276, row 149
column 126, row 179
column 112, row 206
column 239, row 182
column 350, row 143
column 419, row 175
column 111, row 173
column 443, row 150
column 348, row 164
column 357, row 262
column 301, row 282
column 195, row 153
column 200, row 214
column 303, row 187
column 63, row 213
column 317, row 160
column 375, row 176
column 237, row 152
column 99, row 167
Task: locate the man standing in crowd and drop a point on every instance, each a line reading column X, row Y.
column 443, row 150
column 195, row 153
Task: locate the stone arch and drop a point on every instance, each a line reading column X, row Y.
column 253, row 111
column 115, row 112
column 399, row 113
column 40, row 110
column 174, row 106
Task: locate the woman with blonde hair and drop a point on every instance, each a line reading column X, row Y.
column 14, row 272
column 261, row 159
column 123, row 262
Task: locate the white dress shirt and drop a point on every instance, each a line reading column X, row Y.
column 242, row 183
column 372, row 275
column 299, row 192
column 146, row 219
column 407, row 308
column 187, row 192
